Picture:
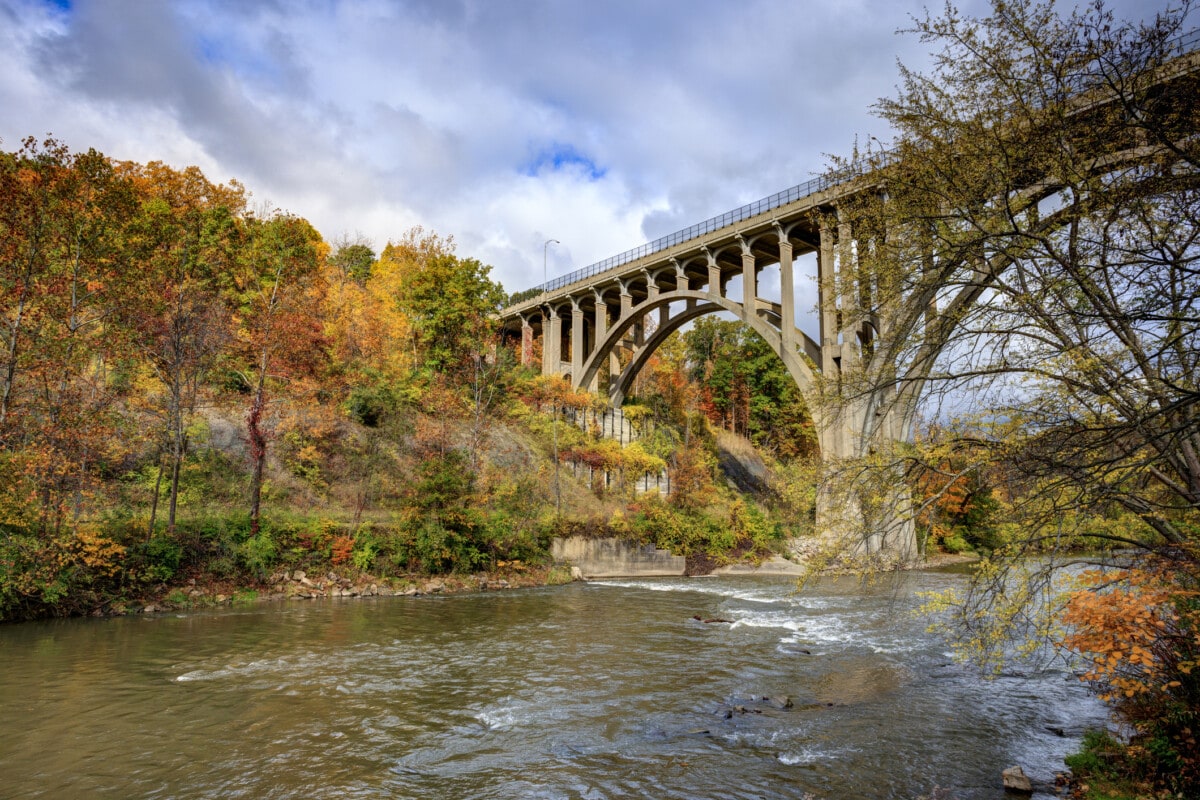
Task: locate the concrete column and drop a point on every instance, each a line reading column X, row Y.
column 652, row 292
column 681, row 278
column 576, row 341
column 846, row 277
column 826, row 292
column 526, row 341
column 714, row 274
column 626, row 298
column 651, row 285
column 787, row 292
column 555, row 342
column 601, row 326
column 601, row 316
column 547, row 341
column 749, row 281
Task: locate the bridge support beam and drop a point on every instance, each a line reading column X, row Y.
column 526, row 341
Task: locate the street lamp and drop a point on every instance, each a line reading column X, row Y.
column 545, row 276
column 545, row 343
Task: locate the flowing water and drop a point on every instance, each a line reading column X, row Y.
column 600, row 690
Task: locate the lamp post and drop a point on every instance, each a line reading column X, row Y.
column 545, row 343
column 545, row 276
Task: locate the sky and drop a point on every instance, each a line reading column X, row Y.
column 502, row 123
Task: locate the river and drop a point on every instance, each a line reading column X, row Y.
column 599, row 690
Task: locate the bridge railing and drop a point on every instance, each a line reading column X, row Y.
column 747, row 211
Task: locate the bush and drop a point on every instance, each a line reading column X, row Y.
column 258, row 554
column 157, row 559
column 955, row 543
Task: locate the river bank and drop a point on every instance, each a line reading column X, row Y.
column 299, row 585
column 303, row 585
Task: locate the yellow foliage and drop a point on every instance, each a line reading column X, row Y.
column 100, row 554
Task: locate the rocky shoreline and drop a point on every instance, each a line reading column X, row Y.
column 301, row 585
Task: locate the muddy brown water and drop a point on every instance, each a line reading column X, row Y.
column 601, row 690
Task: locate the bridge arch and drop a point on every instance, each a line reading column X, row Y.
column 698, row 304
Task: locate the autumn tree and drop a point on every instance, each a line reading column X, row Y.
column 448, row 301
column 185, row 238
column 1029, row 257
column 63, row 263
column 278, row 289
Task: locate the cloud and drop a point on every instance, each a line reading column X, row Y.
column 501, row 124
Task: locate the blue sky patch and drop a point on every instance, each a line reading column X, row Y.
column 559, row 157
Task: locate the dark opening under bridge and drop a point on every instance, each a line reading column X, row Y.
column 599, row 325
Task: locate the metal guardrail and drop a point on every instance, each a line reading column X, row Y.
column 747, row 211
column 1181, row 45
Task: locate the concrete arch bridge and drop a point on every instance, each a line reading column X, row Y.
column 600, row 325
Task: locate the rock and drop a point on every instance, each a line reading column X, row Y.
column 150, row 609
column 577, row 574
column 782, row 703
column 299, row 575
column 411, row 591
column 1015, row 781
column 221, row 598
column 306, row 582
column 1057, row 731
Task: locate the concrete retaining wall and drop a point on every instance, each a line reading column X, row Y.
column 614, row 558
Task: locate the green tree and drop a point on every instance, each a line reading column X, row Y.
column 449, row 302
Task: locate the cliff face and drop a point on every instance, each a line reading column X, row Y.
column 743, row 467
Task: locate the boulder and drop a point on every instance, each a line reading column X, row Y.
column 1016, row 782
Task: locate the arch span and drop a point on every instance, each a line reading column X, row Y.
column 698, row 304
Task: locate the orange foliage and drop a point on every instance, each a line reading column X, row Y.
column 1123, row 623
column 340, row 549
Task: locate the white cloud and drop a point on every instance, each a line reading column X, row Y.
column 501, row 124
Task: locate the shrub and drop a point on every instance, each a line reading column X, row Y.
column 157, row 559
column 258, row 554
